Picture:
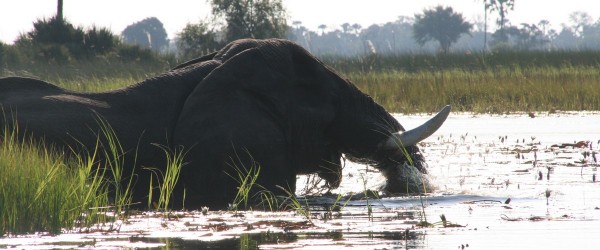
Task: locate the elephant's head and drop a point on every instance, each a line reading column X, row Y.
column 292, row 114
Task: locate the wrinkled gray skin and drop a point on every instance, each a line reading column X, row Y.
column 261, row 102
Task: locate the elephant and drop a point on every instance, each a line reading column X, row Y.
column 268, row 104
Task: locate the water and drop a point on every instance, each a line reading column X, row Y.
column 476, row 162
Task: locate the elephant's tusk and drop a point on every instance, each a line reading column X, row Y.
column 414, row 136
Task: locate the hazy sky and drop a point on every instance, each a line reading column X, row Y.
column 17, row 16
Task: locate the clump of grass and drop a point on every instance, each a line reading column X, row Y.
column 42, row 190
column 248, row 190
column 114, row 161
column 169, row 178
column 335, row 206
column 293, row 201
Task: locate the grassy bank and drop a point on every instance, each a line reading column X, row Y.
column 485, row 91
column 482, row 83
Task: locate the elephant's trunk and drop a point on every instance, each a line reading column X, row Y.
column 414, row 136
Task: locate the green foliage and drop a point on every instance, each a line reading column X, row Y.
column 99, row 41
column 196, row 40
column 59, row 41
column 55, row 31
column 251, row 18
column 440, row 24
column 148, row 33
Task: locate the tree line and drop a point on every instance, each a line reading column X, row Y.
column 435, row 30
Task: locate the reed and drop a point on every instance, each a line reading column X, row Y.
column 171, row 177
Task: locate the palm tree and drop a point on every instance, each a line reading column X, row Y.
column 322, row 27
column 356, row 28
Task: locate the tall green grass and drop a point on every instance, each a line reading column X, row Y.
column 166, row 180
column 478, row 82
column 249, row 193
column 44, row 190
column 113, row 161
column 484, row 91
column 88, row 76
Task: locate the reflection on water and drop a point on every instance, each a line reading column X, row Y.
column 268, row 240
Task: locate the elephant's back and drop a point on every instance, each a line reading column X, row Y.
column 9, row 84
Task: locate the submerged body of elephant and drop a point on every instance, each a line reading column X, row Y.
column 255, row 103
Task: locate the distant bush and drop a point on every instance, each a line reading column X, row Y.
column 148, row 33
column 57, row 41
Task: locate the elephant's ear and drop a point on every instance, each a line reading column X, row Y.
column 306, row 87
column 293, row 61
column 280, row 75
column 274, row 84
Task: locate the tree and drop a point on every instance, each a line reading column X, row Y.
column 59, row 11
column 527, row 37
column 251, row 18
column 487, row 5
column 346, row 28
column 441, row 24
column 356, row 27
column 148, row 33
column 502, row 7
column 579, row 20
column 297, row 24
column 196, row 39
column 322, row 27
column 59, row 41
